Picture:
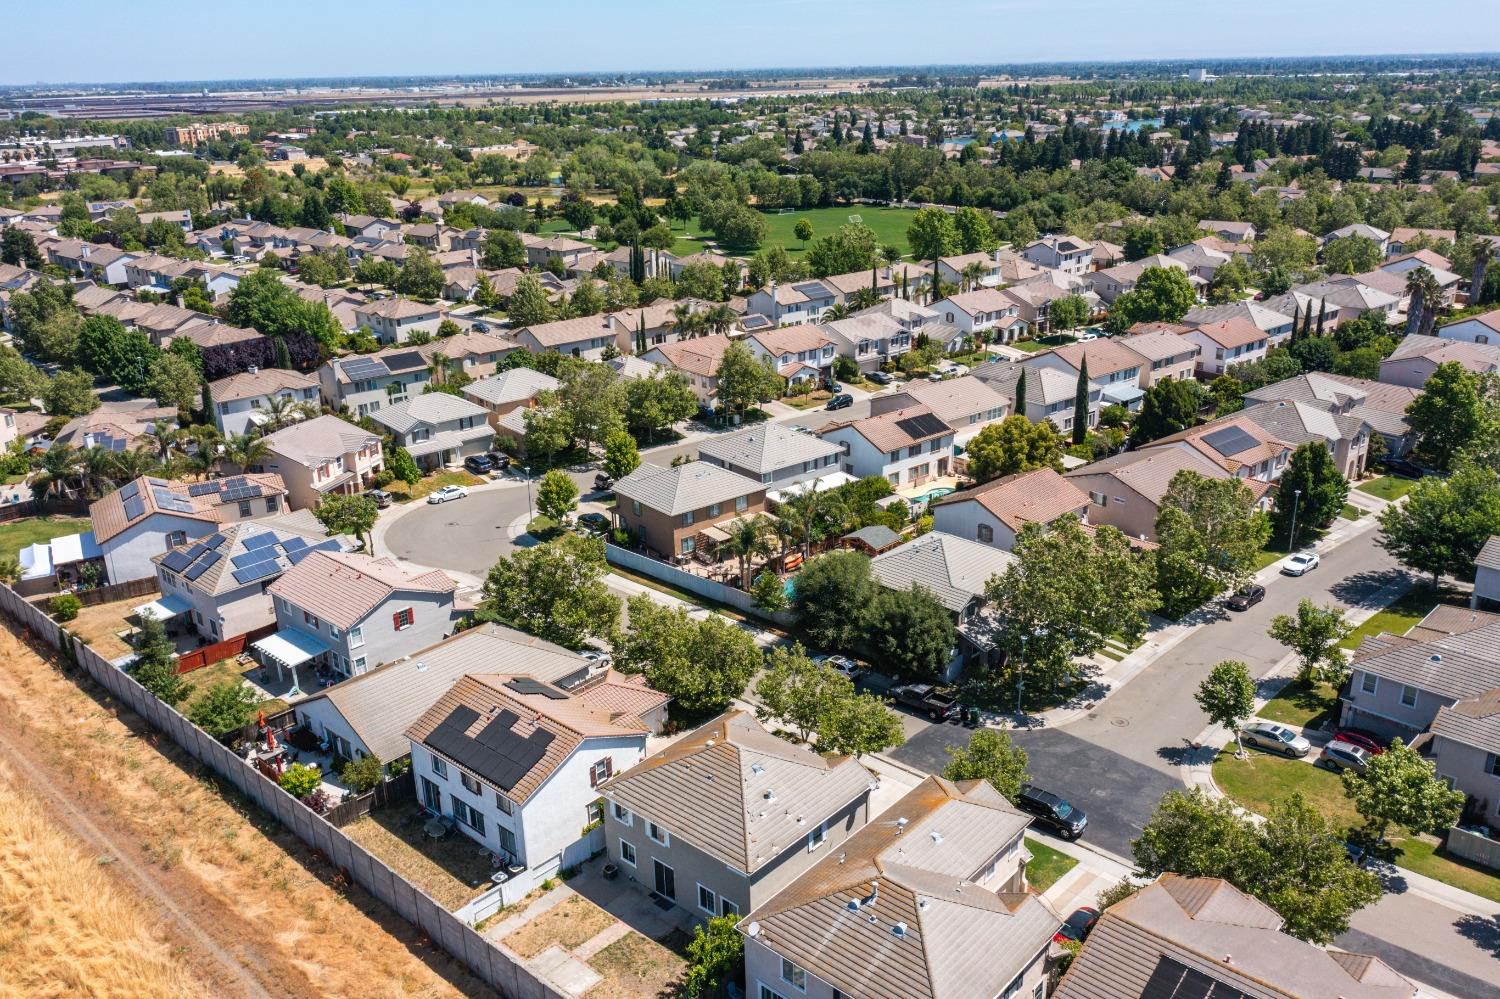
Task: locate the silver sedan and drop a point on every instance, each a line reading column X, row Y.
column 1275, row 738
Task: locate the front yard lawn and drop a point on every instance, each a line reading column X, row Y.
column 18, row 534
column 813, row 399
column 1302, row 706
column 1398, row 617
column 1261, row 780
column 430, row 483
column 1047, row 865
column 1387, row 487
column 1426, row 856
column 1351, row 512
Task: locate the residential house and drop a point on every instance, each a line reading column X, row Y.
column 1401, row 235
column 672, row 510
column 1203, row 937
column 983, row 311
column 369, row 226
column 1034, row 300
column 1416, row 357
column 1347, row 436
column 801, row 354
column 350, row 613
column 1062, row 253
column 1274, row 325
column 1112, row 282
column 870, row 339
column 248, row 399
column 1483, row 329
column 954, row 570
column 1113, row 367
column 507, row 394
column 772, row 454
column 1241, row 446
column 998, row 267
column 365, row 383
column 929, row 899
column 966, row 404
column 1232, row 232
column 219, row 583
column 394, row 320
column 1379, row 237
column 1202, row 262
column 909, row 315
column 697, row 360
column 1226, row 343
column 541, row 249
column 907, row 447
column 322, row 456
column 437, row 429
column 1381, row 406
column 729, row 815
column 1107, row 255
column 1463, row 743
column 1051, row 394
column 1487, row 576
column 1126, row 490
column 148, row 516
column 1339, row 300
column 123, row 425
column 1166, row 356
column 476, row 352
column 584, row 336
column 792, row 304
column 97, row 262
column 995, row 512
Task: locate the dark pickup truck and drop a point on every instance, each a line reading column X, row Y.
column 927, row 699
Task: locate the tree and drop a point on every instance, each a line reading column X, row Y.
column 912, row 632
column 528, row 303
column 1230, row 282
column 262, row 302
column 70, row 393
column 1303, row 871
column 974, row 232
column 1351, row 255
column 1286, row 249
column 748, row 537
column 402, row 465
column 174, row 381
column 594, row 399
column 860, row 724
column 1227, row 697
column 1069, row 312
column 745, row 381
column 224, row 708
column 502, row 248
column 1081, row 404
column 932, row 234
column 300, row 780
column 1197, row 836
column 363, row 774
column 348, row 514
column 1314, row 635
column 1323, row 489
column 556, row 495
column 831, row 596
column 703, row 665
column 1160, row 295
column 18, row 248
column 621, row 457
column 1013, row 445
column 1209, row 534
column 714, row 956
column 803, row 230
column 1168, row 408
column 156, row 663
column 1444, row 523
column 421, row 277
column 1401, row 787
column 990, row 756
column 655, row 403
column 852, row 247
column 799, row 691
column 768, row 593
column 554, row 590
column 1448, row 415
column 19, row 378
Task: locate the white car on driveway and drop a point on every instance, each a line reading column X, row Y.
column 841, row 664
column 1300, row 564
column 447, row 493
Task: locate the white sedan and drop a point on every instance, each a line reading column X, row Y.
column 1300, row 564
column 841, row 664
column 447, row 493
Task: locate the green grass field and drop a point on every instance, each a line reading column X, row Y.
column 1301, row 706
column 889, row 225
column 1047, row 865
column 1387, row 487
column 1398, row 617
column 18, row 534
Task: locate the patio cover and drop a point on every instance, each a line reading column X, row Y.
column 290, row 648
column 823, row 484
column 75, row 548
column 1123, row 395
column 164, row 608
column 36, row 561
column 715, row 534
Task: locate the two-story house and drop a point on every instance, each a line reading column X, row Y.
column 321, row 456
column 584, row 336
column 697, row 360
column 772, row 454
column 507, row 393
column 245, row 400
column 1068, row 254
column 1240, row 446
column 994, row 267
column 1051, row 394
column 1165, row 357
column 870, row 339
column 541, row 249
column 791, row 304
column 729, row 815
column 1346, row 435
column 1464, row 746
column 1487, row 576
column 1114, row 368
column 673, row 510
column 366, row 383
column 393, row 320
column 984, row 312
column 1381, row 406
column 1112, row 282
column 995, row 512
column 929, row 899
column 801, row 353
column 1276, row 326
column 97, row 262
column 438, row 429
column 906, row 447
column 966, row 404
column 1230, row 232
column 1416, row 357
column 1226, row 343
column 350, row 612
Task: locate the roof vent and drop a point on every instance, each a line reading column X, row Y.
column 842, row 855
column 900, row 825
column 899, row 929
column 872, row 917
column 421, row 666
column 753, row 930
column 922, row 904
column 755, row 768
column 709, row 743
column 874, row 895
column 1436, row 657
column 769, row 795
column 1228, row 958
column 937, row 837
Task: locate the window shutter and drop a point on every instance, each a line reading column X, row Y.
column 411, row 617
column 594, row 775
column 396, row 620
column 609, row 767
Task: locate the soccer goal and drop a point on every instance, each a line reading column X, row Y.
column 856, row 218
column 787, row 211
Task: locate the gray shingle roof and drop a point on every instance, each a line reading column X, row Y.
column 515, row 385
column 1474, row 721
column 954, row 569
column 1489, row 555
column 434, row 408
column 1455, row 666
column 681, row 488
column 767, row 447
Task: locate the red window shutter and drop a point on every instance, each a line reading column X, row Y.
column 593, row 776
column 411, row 617
column 396, row 620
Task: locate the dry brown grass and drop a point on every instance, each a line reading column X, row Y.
column 637, row 967
column 568, row 924
column 99, row 624
column 66, row 927
column 442, row 868
column 256, row 912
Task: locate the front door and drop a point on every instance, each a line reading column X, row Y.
column 666, row 881
column 432, row 797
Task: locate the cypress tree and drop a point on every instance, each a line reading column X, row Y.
column 207, row 403
column 1297, row 325
column 937, row 282
column 1021, row 393
column 1081, row 404
column 1322, row 305
column 874, row 277
column 1307, row 322
column 283, row 356
column 640, row 334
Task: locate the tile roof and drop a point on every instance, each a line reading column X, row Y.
column 767, row 447
column 432, row 408
column 680, row 488
column 398, row 308
column 1159, row 345
column 953, row 569
column 1298, row 422
column 342, row 587
column 792, row 339
column 981, row 300
column 1489, row 555
column 1249, row 447
column 1378, row 404
column 914, row 867
column 1036, row 497
column 515, row 385
column 1459, row 665
column 1105, row 357
column 737, row 792
column 1235, row 331
column 319, row 439
column 1476, row 357
column 1261, row 317
column 1149, row 471
column 954, row 400
column 218, row 578
column 110, row 514
column 253, row 384
column 698, row 356
column 886, row 433
column 1473, row 721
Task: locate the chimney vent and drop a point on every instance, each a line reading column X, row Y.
column 899, row 929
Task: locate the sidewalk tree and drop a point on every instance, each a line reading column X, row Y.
column 594, row 399
column 1197, row 836
column 1324, row 490
column 860, row 724
column 528, row 303
column 831, row 596
column 548, row 428
column 1313, row 635
column 1448, row 415
column 911, row 632
column 704, row 665
column 1303, row 871
column 621, row 456
column 1069, row 312
column 745, row 381
column 1013, row 445
column 555, row 591
column 799, row 691
column 556, row 495
column 1227, row 696
column 989, row 756
column 1401, row 787
column 1444, row 523
column 654, row 404
column 345, row 514
column 1209, row 534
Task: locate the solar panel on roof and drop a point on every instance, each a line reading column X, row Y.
column 176, row 561
column 405, row 361
column 1230, row 441
column 158, row 482
column 293, row 544
column 529, row 685
column 197, row 549
column 203, row 488
column 810, row 288
column 257, row 570
column 250, row 558
column 214, row 540
column 331, row 545
column 1174, row 980
column 236, row 482
column 496, row 753
column 922, row 425
column 134, row 507
column 360, row 368
column 201, row 566
column 131, row 491
column 260, row 541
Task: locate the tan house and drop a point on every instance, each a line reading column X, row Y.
column 674, row 511
column 1168, row 357
column 697, row 360
column 506, row 394
column 323, row 456
column 996, row 512
column 1126, row 490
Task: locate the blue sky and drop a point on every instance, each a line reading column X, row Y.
column 109, row 40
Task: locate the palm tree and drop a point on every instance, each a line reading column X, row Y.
column 835, row 312
column 747, row 538
column 972, row 274
column 1425, row 293
column 96, row 469
column 689, row 322
column 243, row 451
column 720, row 319
column 805, row 512
column 133, row 464
column 167, row 436
column 438, row 368
column 56, row 471
column 278, row 412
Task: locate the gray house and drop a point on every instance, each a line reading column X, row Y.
column 730, row 815
column 772, row 454
column 1464, row 746
column 438, row 429
column 1487, row 576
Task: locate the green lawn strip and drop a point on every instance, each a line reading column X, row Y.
column 890, row 226
column 1428, row 858
column 1398, row 617
column 1351, row 512
column 1387, row 487
column 1030, row 346
column 1302, row 706
column 18, row 534
column 1047, row 865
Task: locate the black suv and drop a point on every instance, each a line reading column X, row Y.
column 1050, row 810
column 479, row 464
column 841, row 401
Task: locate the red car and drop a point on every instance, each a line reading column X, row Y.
column 1078, row 926
column 1361, row 739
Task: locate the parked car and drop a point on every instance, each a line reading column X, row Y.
column 926, row 699
column 381, row 498
column 1275, row 738
column 1053, row 811
column 1361, row 738
column 1078, row 926
column 502, row 460
column 479, row 464
column 594, row 523
column 1086, row 337
column 1246, row 597
column 480, row 327
column 603, row 482
column 842, row 664
column 1338, row 756
column 841, row 401
column 1301, row 564
column 834, row 386
column 880, row 377
column 447, row 493
column 1402, row 469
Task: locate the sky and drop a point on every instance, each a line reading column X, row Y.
column 157, row 40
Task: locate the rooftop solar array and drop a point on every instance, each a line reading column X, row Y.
column 407, row 360
column 361, row 368
column 1174, row 980
column 157, row 483
column 168, row 500
column 297, row 556
column 131, row 491
column 574, row 679
column 529, row 685
column 922, row 425
column 134, row 507
column 251, row 556
column 260, row 540
column 203, row 564
column 109, row 443
column 257, row 570
column 214, row 540
column 177, row 561
column 810, row 288
column 496, row 753
column 203, row 488
column 1230, row 441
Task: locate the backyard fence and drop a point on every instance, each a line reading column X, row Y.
column 391, row 792
column 111, row 592
column 492, row 963
column 1476, row 848
column 697, row 585
column 199, row 658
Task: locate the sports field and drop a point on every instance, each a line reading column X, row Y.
column 889, row 225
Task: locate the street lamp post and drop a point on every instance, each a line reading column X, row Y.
column 1292, row 539
column 529, row 515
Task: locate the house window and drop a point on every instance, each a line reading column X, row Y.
column 403, row 619
column 431, row 796
column 176, row 538
column 688, row 545
column 623, row 815
column 593, row 812
column 245, row 509
column 688, row 518
column 1039, row 991
column 740, row 503
column 766, row 993
column 707, row 900
column 508, row 841
column 1409, row 696
column 1369, row 683
column 470, row 784
column 1492, row 765
column 657, row 834
column 503, row 803
column 309, row 620
column 273, row 503
column 635, row 507
column 727, row 908
column 817, row 837
column 713, row 509
column 440, row 768
column 356, row 637
column 601, row 771
column 1098, row 499
column 360, row 665
column 627, row 853
column 985, row 533
column 793, row 975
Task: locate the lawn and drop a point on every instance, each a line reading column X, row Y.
column 1047, row 865
column 1302, row 706
column 815, row 399
column 1261, row 780
column 1351, row 512
column 1398, row 617
column 1426, row 856
column 430, row 483
column 889, row 225
column 216, row 673
column 1030, row 346
column 637, row 967
column 18, row 534
column 1387, row 487
column 101, row 624
column 451, row 869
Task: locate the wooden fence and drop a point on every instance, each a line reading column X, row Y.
column 199, row 658
column 392, row 792
column 111, row 592
column 493, row 963
column 1485, row 852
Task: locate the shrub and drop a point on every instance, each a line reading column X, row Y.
column 363, row 774
column 299, row 781
column 64, row 606
column 399, row 767
column 319, row 801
